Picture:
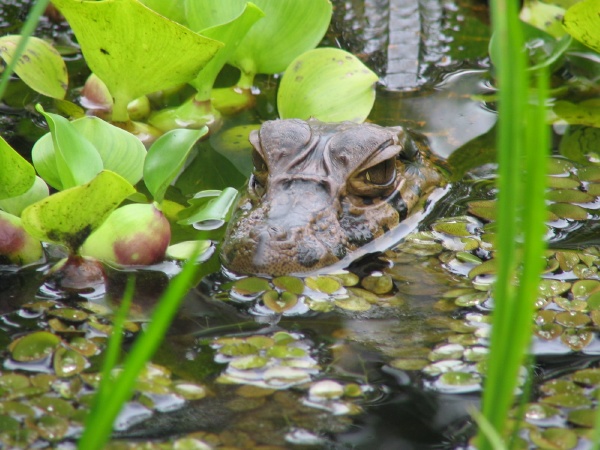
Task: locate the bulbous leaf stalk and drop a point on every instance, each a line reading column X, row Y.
column 192, row 114
column 136, row 234
column 16, row 245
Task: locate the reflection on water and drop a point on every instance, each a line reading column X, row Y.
column 447, row 114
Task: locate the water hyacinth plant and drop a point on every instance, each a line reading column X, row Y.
column 116, row 37
column 84, row 157
column 112, row 199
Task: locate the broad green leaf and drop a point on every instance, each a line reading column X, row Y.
column 133, row 49
column 543, row 49
column 120, row 151
column 583, row 22
column 234, row 144
column 544, row 16
column 172, row 9
column 185, row 250
column 17, row 175
column 77, row 160
column 586, row 112
column 231, row 34
column 209, row 209
column 40, row 67
column 289, row 28
column 222, row 174
column 166, row 157
column 328, row 84
column 68, row 217
column 15, row 205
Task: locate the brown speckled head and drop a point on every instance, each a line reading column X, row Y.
column 319, row 191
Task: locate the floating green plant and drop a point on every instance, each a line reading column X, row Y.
column 289, row 28
column 17, row 175
column 69, row 217
column 116, row 37
column 40, row 66
column 198, row 110
column 582, row 22
column 328, row 84
column 74, row 152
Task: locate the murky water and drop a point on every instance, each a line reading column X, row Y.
column 386, row 355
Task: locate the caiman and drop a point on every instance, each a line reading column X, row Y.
column 319, row 191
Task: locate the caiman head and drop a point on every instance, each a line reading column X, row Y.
column 320, row 191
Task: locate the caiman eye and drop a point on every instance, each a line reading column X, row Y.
column 259, row 163
column 376, row 181
column 382, row 174
column 256, row 186
column 260, row 173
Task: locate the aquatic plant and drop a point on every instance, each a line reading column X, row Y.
column 32, row 20
column 40, row 66
column 116, row 38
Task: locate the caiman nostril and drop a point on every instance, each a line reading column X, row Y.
column 279, row 233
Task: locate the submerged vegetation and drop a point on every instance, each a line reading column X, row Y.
column 118, row 188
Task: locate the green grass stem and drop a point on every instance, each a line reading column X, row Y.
column 28, row 27
column 113, row 348
column 99, row 423
column 522, row 153
column 494, row 440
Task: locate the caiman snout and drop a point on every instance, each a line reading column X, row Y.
column 284, row 235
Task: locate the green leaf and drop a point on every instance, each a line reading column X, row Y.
column 133, row 49
column 290, row 27
column 17, row 175
column 546, row 17
column 586, row 112
column 166, row 157
column 222, row 174
column 328, row 84
column 15, row 205
column 68, row 217
column 234, row 144
column 583, row 22
column 209, row 209
column 231, row 34
column 581, row 144
column 172, row 9
column 185, row 250
column 40, row 66
column 77, row 160
column 543, row 49
column 120, row 151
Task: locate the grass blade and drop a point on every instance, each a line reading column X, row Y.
column 522, row 153
column 113, row 349
column 99, row 426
